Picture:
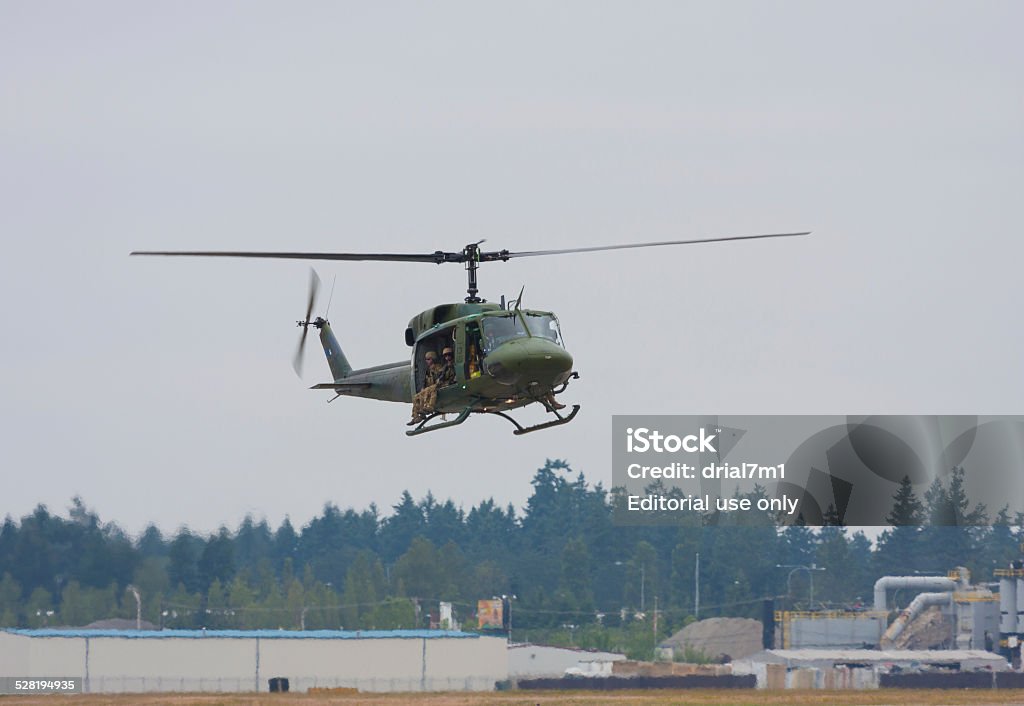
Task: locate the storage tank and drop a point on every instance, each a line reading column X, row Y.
column 1020, row 605
column 1007, row 605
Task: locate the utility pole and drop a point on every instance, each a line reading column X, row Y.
column 643, row 577
column 696, row 588
column 655, row 621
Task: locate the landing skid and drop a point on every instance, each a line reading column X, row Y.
column 423, row 428
column 520, row 429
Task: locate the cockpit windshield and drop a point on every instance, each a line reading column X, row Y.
column 544, row 326
column 499, row 329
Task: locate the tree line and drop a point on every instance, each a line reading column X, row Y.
column 568, row 570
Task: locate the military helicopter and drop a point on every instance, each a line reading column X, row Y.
column 504, row 356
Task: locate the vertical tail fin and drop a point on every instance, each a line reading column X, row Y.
column 336, row 359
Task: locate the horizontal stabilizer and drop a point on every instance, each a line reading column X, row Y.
column 341, row 386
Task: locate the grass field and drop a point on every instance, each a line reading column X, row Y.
column 690, row 697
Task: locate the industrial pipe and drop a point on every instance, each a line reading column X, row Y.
column 920, row 602
column 922, row 583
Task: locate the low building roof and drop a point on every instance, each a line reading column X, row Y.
column 249, row 634
column 806, row 656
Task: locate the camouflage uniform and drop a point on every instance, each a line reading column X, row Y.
column 446, row 375
column 424, row 401
column 438, row 375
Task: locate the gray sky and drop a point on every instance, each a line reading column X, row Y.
column 161, row 390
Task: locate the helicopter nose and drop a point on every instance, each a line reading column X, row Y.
column 529, row 360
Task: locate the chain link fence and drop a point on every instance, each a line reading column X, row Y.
column 114, row 684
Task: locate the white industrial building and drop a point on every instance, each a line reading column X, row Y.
column 245, row 660
column 527, row 661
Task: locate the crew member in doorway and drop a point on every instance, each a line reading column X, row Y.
column 447, row 374
column 424, row 401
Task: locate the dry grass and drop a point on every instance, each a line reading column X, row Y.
column 690, row 697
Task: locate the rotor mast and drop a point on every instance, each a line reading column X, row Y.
column 472, row 255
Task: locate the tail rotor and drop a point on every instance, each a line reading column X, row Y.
column 314, row 288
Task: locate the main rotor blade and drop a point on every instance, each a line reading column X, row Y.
column 505, row 255
column 439, row 256
column 435, row 257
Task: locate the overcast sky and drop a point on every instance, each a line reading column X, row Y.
column 161, row 390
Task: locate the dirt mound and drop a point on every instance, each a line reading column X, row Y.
column 715, row 637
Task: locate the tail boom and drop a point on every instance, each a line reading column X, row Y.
column 391, row 382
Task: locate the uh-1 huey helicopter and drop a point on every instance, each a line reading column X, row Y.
column 504, row 357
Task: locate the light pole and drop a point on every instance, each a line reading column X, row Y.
column 138, row 605
column 643, row 579
column 810, row 575
column 507, row 599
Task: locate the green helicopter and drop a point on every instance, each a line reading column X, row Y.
column 499, row 357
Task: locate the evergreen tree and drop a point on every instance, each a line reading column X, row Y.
column 563, row 557
column 286, row 544
column 153, row 584
column 963, row 514
column 574, row 598
column 151, row 543
column 364, row 589
column 488, row 578
column 797, row 545
column 490, row 531
column 899, row 547
column 74, row 611
column 947, row 541
column 8, row 542
column 858, row 569
column 183, row 556
column 10, row 601
column 401, row 528
column 939, row 509
column 325, row 546
column 241, row 601
column 907, row 509
column 421, row 571
column 216, row 562
column 831, row 517
column 999, row 545
column 295, row 605
column 833, row 555
column 217, row 609
column 252, row 542
column 395, row 614
column 40, row 611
